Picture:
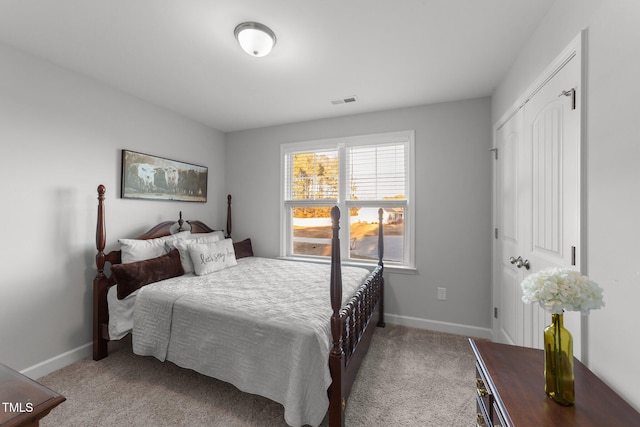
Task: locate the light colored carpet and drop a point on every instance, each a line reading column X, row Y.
column 410, row 377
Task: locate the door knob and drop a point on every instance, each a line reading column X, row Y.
column 519, row 262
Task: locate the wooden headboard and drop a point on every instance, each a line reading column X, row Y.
column 102, row 282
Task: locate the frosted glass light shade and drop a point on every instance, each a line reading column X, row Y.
column 256, row 39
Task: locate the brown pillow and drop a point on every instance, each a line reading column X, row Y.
column 134, row 275
column 243, row 249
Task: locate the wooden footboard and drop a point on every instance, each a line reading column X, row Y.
column 352, row 325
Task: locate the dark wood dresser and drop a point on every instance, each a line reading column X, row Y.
column 510, row 385
column 23, row 401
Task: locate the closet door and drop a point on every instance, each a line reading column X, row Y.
column 552, row 214
column 537, row 208
column 510, row 233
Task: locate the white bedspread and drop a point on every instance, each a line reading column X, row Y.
column 263, row 325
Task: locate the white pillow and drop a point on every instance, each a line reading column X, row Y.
column 183, row 246
column 214, row 236
column 134, row 250
column 210, row 257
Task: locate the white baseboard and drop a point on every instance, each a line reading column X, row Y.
column 58, row 362
column 435, row 325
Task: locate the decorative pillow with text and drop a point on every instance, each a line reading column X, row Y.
column 210, row 257
column 183, row 246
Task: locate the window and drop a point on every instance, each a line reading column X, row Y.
column 359, row 175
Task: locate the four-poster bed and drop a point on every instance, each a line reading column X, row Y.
column 295, row 318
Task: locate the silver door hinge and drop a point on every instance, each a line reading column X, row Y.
column 495, row 151
column 495, row 232
column 572, row 93
column 495, row 312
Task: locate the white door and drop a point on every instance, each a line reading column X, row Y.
column 510, row 144
column 538, row 203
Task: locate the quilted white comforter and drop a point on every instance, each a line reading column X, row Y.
column 263, row 326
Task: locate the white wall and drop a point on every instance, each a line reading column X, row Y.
column 612, row 171
column 453, row 205
column 61, row 136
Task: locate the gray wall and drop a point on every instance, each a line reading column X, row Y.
column 612, row 147
column 61, row 136
column 453, row 205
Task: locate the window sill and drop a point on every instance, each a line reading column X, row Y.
column 388, row 268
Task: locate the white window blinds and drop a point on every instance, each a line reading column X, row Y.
column 377, row 172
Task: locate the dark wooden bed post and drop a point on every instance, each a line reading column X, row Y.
column 228, row 215
column 337, row 401
column 381, row 264
column 180, row 222
column 351, row 328
column 99, row 344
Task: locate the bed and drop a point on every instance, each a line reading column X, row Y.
column 294, row 332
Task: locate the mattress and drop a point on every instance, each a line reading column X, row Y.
column 263, row 326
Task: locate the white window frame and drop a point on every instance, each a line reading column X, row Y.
column 286, row 239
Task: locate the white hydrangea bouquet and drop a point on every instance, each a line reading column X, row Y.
column 560, row 289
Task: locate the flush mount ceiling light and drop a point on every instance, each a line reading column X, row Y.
column 256, row 39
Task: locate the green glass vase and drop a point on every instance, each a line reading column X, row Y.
column 558, row 362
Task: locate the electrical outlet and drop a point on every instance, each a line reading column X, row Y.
column 442, row 294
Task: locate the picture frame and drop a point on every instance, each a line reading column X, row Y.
column 146, row 176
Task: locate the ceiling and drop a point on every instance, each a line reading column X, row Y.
column 182, row 54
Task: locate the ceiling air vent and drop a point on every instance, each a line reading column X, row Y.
column 347, row 100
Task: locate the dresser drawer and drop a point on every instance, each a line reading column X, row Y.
column 482, row 417
column 496, row 416
column 482, row 390
column 484, row 400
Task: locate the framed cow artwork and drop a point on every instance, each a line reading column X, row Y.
column 151, row 177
